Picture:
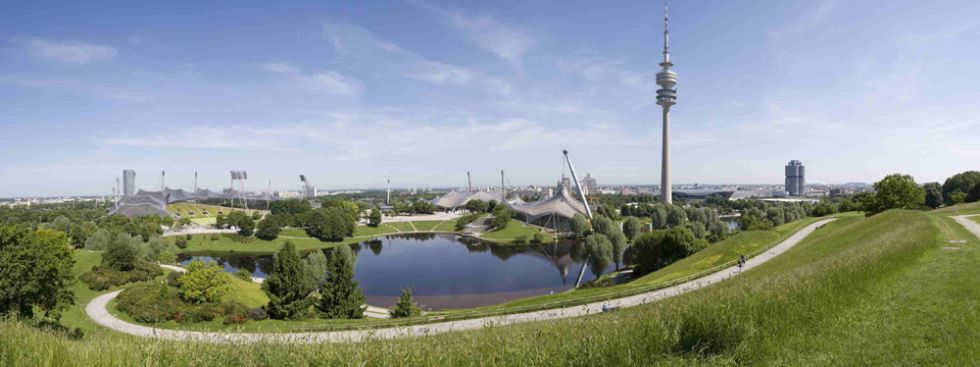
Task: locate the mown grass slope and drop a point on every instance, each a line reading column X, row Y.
column 875, row 291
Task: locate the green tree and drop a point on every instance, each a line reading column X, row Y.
column 203, row 283
column 168, row 256
column 618, row 240
column 896, row 191
column 962, row 183
column 974, row 194
column 151, row 250
column 36, row 272
column 121, row 253
column 602, row 225
column 717, row 231
column 934, row 194
column 501, row 216
column 658, row 217
column 405, row 307
column 476, row 206
column 317, row 267
column 329, row 224
column 269, row 228
column 242, row 221
column 775, row 215
column 580, row 225
column 676, row 216
column 632, row 228
column 340, row 294
column 654, row 250
column 599, row 252
column 98, row 241
column 288, row 285
column 374, row 219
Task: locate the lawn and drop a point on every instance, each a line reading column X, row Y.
column 512, row 231
column 247, row 293
column 960, row 209
column 862, row 291
column 975, row 218
column 195, row 210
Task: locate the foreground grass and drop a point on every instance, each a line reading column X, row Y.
column 875, row 291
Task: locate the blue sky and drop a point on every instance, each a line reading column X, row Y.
column 351, row 93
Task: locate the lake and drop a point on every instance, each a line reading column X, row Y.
column 445, row 270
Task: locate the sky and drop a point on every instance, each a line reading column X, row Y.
column 356, row 92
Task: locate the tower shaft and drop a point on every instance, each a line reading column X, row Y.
column 666, row 195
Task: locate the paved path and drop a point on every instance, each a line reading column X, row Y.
column 969, row 224
column 96, row 309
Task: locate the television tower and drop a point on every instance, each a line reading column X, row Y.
column 666, row 97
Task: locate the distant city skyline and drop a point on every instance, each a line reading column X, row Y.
column 423, row 91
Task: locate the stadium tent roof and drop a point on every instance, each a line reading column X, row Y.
column 561, row 203
column 456, row 199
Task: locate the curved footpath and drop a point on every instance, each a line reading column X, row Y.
column 970, row 225
column 96, row 309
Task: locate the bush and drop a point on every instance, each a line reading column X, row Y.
column 173, row 279
column 257, row 314
column 244, row 274
column 654, row 250
column 103, row 277
column 181, row 243
column 539, row 238
column 465, row 220
column 269, row 228
column 203, row 283
column 121, row 253
column 522, row 239
column 405, row 307
column 215, row 237
column 501, row 216
column 150, row 302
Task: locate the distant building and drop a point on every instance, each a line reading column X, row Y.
column 590, row 185
column 129, row 182
column 794, row 178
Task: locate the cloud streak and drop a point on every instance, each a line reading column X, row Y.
column 70, row 53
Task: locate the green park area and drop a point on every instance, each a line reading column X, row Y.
column 859, row 291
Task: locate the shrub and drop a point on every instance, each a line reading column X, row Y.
column 235, row 319
column 103, row 277
column 181, row 243
column 501, row 216
column 244, row 274
column 269, row 228
column 150, row 302
column 405, row 307
column 203, row 283
column 654, row 250
column 465, row 220
column 539, row 238
column 257, row 314
column 121, row 253
column 522, row 239
column 173, row 279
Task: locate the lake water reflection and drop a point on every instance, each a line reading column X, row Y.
column 446, row 271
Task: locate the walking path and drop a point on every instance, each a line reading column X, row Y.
column 970, row 225
column 96, row 309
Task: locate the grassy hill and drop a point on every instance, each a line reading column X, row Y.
column 197, row 211
column 885, row 290
column 960, row 209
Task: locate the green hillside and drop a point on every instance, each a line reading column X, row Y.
column 885, row 290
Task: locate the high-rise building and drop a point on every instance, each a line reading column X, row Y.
column 794, row 178
column 666, row 97
column 129, row 182
column 590, row 184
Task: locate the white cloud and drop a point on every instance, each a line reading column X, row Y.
column 280, row 67
column 334, row 83
column 70, row 53
column 440, row 73
column 508, row 42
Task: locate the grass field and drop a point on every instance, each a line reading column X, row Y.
column 247, row 293
column 860, row 291
column 960, row 209
column 512, row 231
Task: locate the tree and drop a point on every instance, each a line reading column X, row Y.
column 288, row 285
column 340, row 294
column 151, row 250
column 974, row 194
column 36, row 272
column 602, row 225
column 658, row 217
column 329, row 224
column 717, row 231
column 220, row 221
column 896, row 191
column 81, row 233
column 632, row 228
column 676, row 216
column 476, row 206
column 579, row 225
column 203, row 283
column 317, row 267
column 121, row 253
column 374, row 219
column 962, row 183
column 654, row 250
column 775, row 215
column 405, row 307
column 241, row 220
column 269, row 228
column 501, row 216
column 98, row 241
column 698, row 229
column 618, row 241
column 934, row 194
column 599, row 251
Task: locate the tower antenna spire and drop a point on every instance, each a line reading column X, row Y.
column 666, row 32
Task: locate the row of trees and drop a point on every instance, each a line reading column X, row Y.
column 960, row 188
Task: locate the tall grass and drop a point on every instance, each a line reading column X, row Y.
column 857, row 292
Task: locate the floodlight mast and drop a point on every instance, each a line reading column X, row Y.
column 588, row 211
